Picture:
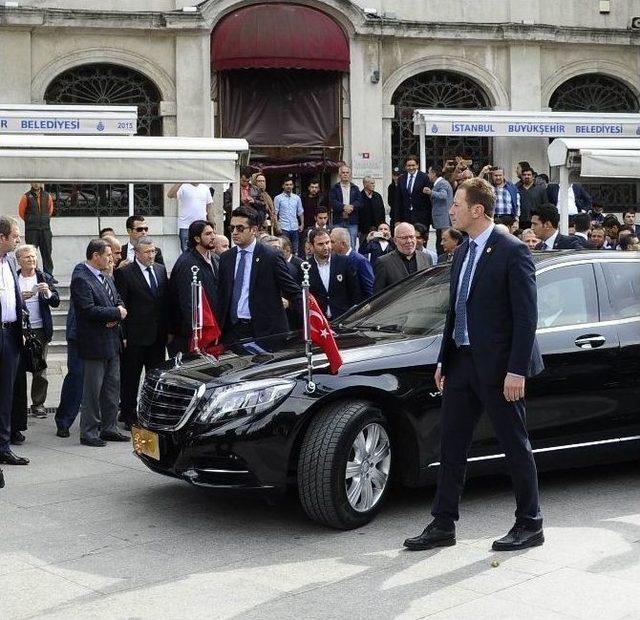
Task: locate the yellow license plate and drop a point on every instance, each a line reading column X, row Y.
column 145, row 442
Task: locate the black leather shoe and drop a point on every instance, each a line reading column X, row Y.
column 1, row 480
column 10, row 458
column 62, row 432
column 94, row 443
column 432, row 536
column 17, row 438
column 519, row 537
column 114, row 437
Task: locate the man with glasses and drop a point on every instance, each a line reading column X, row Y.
column 144, row 290
column 136, row 229
column 403, row 261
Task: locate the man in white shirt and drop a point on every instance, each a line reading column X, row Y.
column 195, row 202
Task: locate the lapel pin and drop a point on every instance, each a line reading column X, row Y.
column 257, row 259
column 339, row 277
column 488, row 250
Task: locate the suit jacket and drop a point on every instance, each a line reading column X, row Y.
column 564, row 242
column 46, row 304
column 21, row 308
column 415, row 207
column 392, row 268
column 582, row 242
column 344, row 288
column 364, row 271
column 270, row 282
column 441, row 201
column 336, row 204
column 373, row 250
column 180, row 288
column 147, row 320
column 94, row 310
column 582, row 198
column 502, row 313
column 294, row 265
column 372, row 212
column 125, row 250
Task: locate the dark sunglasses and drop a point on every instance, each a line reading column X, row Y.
column 240, row 228
column 141, row 228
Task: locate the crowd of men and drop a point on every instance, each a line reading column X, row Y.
column 127, row 311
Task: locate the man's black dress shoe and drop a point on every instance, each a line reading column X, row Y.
column 94, row 443
column 519, row 537
column 434, row 535
column 62, row 432
column 1, row 480
column 10, row 458
column 114, row 437
column 17, row 438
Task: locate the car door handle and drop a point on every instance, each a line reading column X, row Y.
column 590, row 341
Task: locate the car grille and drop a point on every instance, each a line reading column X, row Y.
column 163, row 403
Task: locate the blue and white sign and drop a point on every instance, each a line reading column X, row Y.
column 65, row 120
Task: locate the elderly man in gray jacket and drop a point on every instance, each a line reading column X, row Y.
column 441, row 194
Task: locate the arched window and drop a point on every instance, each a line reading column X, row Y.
column 437, row 90
column 105, row 84
column 594, row 92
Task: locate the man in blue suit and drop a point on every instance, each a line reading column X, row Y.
column 341, row 244
column 412, row 203
column 345, row 201
column 488, row 350
column 577, row 194
column 11, row 308
column 333, row 282
column 99, row 312
column 441, row 194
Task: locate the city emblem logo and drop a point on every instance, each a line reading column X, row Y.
column 638, row 130
column 100, row 126
column 434, row 128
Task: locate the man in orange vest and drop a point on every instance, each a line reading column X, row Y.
column 36, row 209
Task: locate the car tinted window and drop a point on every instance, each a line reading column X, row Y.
column 567, row 296
column 623, row 285
column 418, row 306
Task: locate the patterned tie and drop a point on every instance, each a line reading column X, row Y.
column 238, row 281
column 410, row 184
column 545, row 246
column 460, row 324
column 152, row 281
column 107, row 289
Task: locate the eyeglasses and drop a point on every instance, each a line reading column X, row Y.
column 141, row 228
column 239, row 227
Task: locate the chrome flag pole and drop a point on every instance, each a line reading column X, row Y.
column 196, row 308
column 306, row 268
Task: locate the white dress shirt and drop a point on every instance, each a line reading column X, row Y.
column 8, row 301
column 146, row 274
column 550, row 241
column 324, row 269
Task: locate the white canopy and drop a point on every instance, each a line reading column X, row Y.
column 605, row 157
column 115, row 159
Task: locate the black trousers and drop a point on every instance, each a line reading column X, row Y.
column 42, row 240
column 9, row 358
column 463, row 402
column 439, row 248
column 134, row 359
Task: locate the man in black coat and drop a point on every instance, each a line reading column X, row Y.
column 488, row 350
column 200, row 253
column 544, row 223
column 99, row 312
column 333, row 280
column 252, row 282
column 412, row 204
column 137, row 228
column 372, row 212
column 144, row 290
column 11, row 309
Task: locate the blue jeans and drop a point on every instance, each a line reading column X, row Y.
column 353, row 234
column 183, row 233
column 71, row 394
column 294, row 237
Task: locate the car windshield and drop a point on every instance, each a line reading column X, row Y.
column 417, row 306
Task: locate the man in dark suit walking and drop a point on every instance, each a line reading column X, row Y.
column 333, row 281
column 252, row 282
column 144, row 290
column 488, row 349
column 402, row 261
column 99, row 312
column 412, row 203
column 11, row 308
column 341, row 244
column 544, row 223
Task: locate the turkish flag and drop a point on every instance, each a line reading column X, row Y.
column 322, row 335
column 210, row 331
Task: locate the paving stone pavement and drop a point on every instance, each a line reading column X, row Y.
column 91, row 533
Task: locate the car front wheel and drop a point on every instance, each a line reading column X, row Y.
column 344, row 465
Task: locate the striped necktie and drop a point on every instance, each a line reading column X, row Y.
column 460, row 324
column 107, row 289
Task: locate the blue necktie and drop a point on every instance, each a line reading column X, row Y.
column 107, row 289
column 238, row 281
column 152, row 282
column 460, row 324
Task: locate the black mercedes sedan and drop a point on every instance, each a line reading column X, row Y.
column 248, row 420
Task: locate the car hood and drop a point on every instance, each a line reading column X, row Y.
column 284, row 356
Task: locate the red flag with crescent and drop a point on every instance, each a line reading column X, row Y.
column 322, row 335
column 210, row 331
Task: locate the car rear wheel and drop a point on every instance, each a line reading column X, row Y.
column 344, row 465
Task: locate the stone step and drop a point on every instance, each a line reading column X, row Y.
column 64, row 303
column 58, row 348
column 59, row 317
column 59, row 333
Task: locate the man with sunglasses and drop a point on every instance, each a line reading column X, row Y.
column 136, row 229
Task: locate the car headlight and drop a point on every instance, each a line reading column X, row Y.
column 244, row 399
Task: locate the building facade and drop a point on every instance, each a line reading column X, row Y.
column 312, row 82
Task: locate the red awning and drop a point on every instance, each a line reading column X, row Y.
column 285, row 36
